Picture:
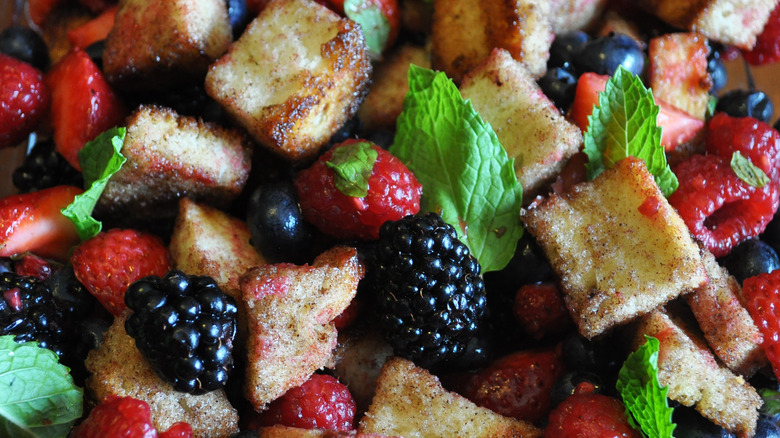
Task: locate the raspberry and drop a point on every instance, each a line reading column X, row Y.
column 752, row 138
column 540, row 310
column 767, row 48
column 125, row 417
column 585, row 414
column 719, row 209
column 109, row 262
column 24, row 98
column 322, row 402
column 762, row 296
column 518, row 385
column 392, row 193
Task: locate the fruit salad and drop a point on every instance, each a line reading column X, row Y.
column 389, row 218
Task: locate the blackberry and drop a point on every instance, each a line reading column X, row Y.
column 184, row 326
column 27, row 312
column 44, row 167
column 431, row 296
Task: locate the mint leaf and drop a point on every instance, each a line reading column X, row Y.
column 771, row 400
column 371, row 18
column 747, row 171
column 644, row 397
column 99, row 159
column 465, row 172
column 352, row 165
column 37, row 395
column 624, row 124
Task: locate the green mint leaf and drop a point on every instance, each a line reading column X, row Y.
column 771, row 399
column 747, row 171
column 352, row 165
column 37, row 395
column 376, row 27
column 99, row 159
column 645, row 399
column 466, row 175
column 624, row 124
column 712, row 103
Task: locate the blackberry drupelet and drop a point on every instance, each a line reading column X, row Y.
column 44, row 167
column 27, row 312
column 431, row 296
column 184, row 326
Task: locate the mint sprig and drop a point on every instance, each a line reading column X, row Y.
column 747, row 171
column 99, row 160
column 645, row 399
column 375, row 25
column 625, row 124
column 466, row 175
column 771, row 400
column 352, row 165
column 37, row 395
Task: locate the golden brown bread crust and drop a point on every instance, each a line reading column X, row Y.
column 118, row 368
column 411, row 402
column 695, row 378
column 359, row 357
column 294, row 77
column 678, row 71
column 590, row 234
column 290, row 311
column 169, row 157
column 169, row 40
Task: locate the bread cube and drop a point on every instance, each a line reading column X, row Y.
column 411, row 402
column 590, row 237
column 725, row 323
column 290, row 313
column 118, row 368
column 678, row 71
column 571, row 15
column 527, row 123
column 360, row 355
column 294, row 77
column 695, row 378
column 169, row 157
column 735, row 22
column 464, row 32
column 171, row 41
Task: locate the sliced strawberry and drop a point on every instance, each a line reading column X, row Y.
column 33, row 222
column 93, row 30
column 40, row 9
column 24, row 99
column 678, row 126
column 82, row 104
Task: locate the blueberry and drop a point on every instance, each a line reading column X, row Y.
column 567, row 384
column 767, row 427
column 717, row 71
column 564, row 48
column 559, row 85
column 25, row 44
column 749, row 258
column 605, row 54
column 746, row 103
column 276, row 223
column 95, row 52
column 238, row 12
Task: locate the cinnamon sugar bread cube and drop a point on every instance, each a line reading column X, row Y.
column 294, row 77
column 695, row 378
column 527, row 123
column 735, row 22
column 570, row 15
column 359, row 357
column 170, row 156
column 590, row 237
column 724, row 321
column 411, row 402
column 464, row 32
column 290, row 313
column 170, row 41
column 118, row 368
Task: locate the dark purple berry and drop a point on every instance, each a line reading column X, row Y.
column 603, row 55
column 25, row 44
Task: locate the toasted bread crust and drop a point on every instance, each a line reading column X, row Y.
column 678, row 71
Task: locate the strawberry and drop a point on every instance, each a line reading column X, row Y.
column 767, row 48
column 588, row 415
column 540, row 310
column 93, row 30
column 322, row 402
column 24, row 98
column 391, row 191
column 762, row 300
column 125, row 417
column 109, row 262
column 39, row 10
column 518, row 385
column 82, row 104
column 359, row 11
column 678, row 126
column 33, row 222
